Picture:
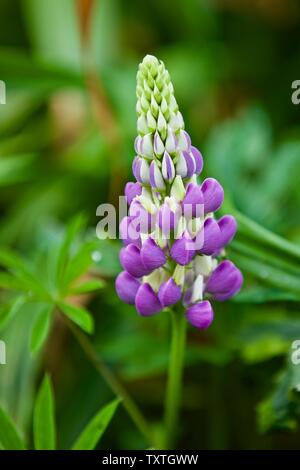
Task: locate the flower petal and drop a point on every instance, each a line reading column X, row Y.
column 127, row 287
column 182, row 250
column 169, row 293
column 131, row 261
column 152, row 256
column 146, row 301
column 200, row 315
column 198, row 160
column 193, row 202
column 213, row 195
column 132, row 190
column 228, row 227
column 212, row 235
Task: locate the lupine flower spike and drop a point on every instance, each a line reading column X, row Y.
column 176, row 251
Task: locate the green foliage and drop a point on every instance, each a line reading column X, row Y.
column 49, row 280
column 9, row 436
column 90, row 436
column 59, row 158
column 44, row 420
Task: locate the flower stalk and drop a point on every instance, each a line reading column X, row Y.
column 175, row 376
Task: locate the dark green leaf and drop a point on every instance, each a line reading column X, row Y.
column 91, row 435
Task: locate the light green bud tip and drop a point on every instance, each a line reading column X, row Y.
column 157, row 108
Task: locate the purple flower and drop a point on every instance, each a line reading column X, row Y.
column 171, row 236
column 141, row 220
column 130, row 259
column 182, row 250
column 132, row 190
column 212, row 234
column 198, row 160
column 140, row 170
column 167, row 218
column 225, row 281
column 127, row 287
column 169, row 293
column 146, row 301
column 168, row 169
column 213, row 195
column 193, row 202
column 200, row 315
column 156, row 179
column 186, row 165
column 228, row 228
column 128, row 233
column 152, row 255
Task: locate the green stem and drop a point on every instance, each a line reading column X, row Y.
column 112, row 381
column 174, row 385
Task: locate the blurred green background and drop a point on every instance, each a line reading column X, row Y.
column 66, row 146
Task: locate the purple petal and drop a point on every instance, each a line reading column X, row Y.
column 182, row 250
column 200, row 315
column 198, row 160
column 167, row 219
column 127, row 287
column 156, row 179
column 140, row 169
column 169, row 293
column 152, row 256
column 213, row 195
column 222, row 278
column 146, row 301
column 235, row 287
column 228, row 227
column 186, row 165
column 132, row 190
column 131, row 261
column 212, row 236
column 142, row 221
column 168, row 169
column 193, row 201
column 127, row 232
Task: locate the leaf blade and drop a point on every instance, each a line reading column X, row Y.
column 78, row 315
column 93, row 432
column 44, row 432
column 9, row 436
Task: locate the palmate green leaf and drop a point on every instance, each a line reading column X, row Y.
column 44, row 431
column 93, row 432
column 9, row 436
column 74, row 227
column 41, row 328
column 88, row 286
column 27, row 280
column 80, row 263
column 78, row 315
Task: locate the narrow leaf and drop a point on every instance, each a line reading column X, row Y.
column 88, row 286
column 9, row 436
column 78, row 315
column 40, row 328
column 43, row 420
column 91, row 435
